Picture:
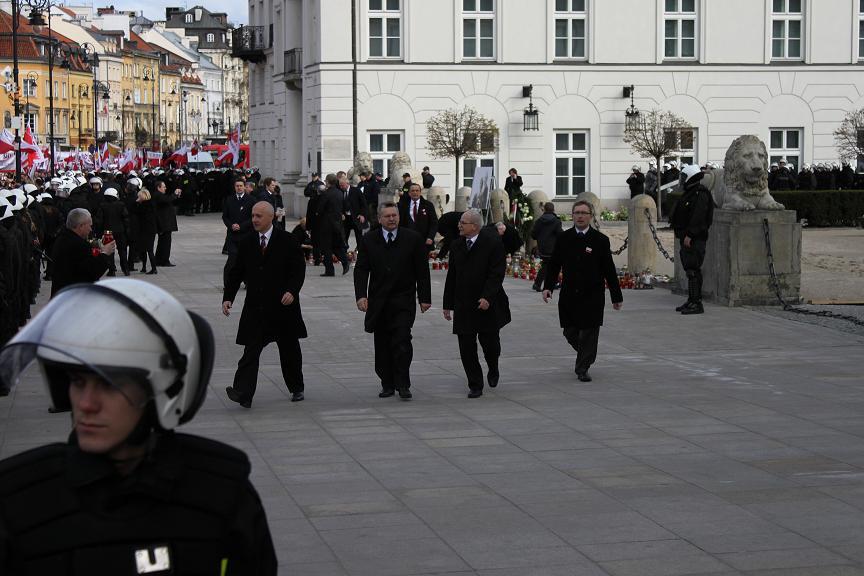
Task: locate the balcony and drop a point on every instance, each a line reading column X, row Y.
column 249, row 43
column 293, row 71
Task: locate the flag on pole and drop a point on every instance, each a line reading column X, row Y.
column 233, row 147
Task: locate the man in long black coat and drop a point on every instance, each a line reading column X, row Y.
column 586, row 259
column 271, row 264
column 418, row 214
column 166, row 220
column 475, row 300
column 74, row 261
column 328, row 226
column 354, row 205
column 391, row 272
column 237, row 217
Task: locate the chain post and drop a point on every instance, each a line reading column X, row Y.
column 656, row 239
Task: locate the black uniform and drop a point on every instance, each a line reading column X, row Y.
column 692, row 218
column 188, row 507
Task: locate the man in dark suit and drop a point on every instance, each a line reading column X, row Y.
column 237, row 217
column 418, row 214
column 391, row 272
column 166, row 220
column 586, row 259
column 73, row 257
column 269, row 192
column 513, row 184
column 328, row 226
column 475, row 300
column 271, row 263
column 354, row 206
column 370, row 188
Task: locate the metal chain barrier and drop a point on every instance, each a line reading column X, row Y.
column 656, row 239
column 622, row 248
column 774, row 284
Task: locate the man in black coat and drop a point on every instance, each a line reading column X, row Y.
column 475, row 300
column 428, row 178
column 586, row 259
column 166, row 220
column 370, row 188
column 354, row 206
column 237, row 217
column 636, row 182
column 328, row 226
column 269, row 192
column 391, row 272
column 271, row 264
column 115, row 218
column 418, row 214
column 545, row 231
column 513, row 184
column 74, row 261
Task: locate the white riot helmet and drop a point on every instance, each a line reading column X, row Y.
column 667, row 166
column 134, row 181
column 636, row 168
column 790, row 166
column 111, row 191
column 30, row 188
column 137, row 335
column 95, row 180
column 689, row 171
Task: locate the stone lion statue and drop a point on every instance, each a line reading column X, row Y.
column 400, row 164
column 362, row 163
column 744, row 177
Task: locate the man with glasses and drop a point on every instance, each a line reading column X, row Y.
column 584, row 256
column 475, row 300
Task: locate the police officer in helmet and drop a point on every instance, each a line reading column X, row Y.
column 125, row 494
column 691, row 219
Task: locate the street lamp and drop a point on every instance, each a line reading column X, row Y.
column 184, row 111
column 30, row 84
column 150, row 76
column 632, row 119
column 37, row 21
column 92, row 57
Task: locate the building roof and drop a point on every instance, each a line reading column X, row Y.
column 28, row 47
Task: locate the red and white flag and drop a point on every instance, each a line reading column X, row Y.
column 233, row 147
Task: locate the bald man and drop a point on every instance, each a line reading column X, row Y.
column 271, row 263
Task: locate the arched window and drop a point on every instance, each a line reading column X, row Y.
column 188, row 19
column 211, row 37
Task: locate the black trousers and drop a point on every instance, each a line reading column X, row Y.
column 584, row 341
column 541, row 273
column 290, row 359
column 393, row 355
column 145, row 249
column 337, row 244
column 349, row 226
column 491, row 344
column 122, row 248
column 163, row 249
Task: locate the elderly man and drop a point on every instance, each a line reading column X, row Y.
column 272, row 264
column 475, row 300
column 391, row 272
column 74, row 259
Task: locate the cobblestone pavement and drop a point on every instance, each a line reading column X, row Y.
column 726, row 443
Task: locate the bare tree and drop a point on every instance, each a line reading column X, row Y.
column 460, row 134
column 849, row 138
column 656, row 135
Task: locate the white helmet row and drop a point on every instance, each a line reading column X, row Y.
column 125, row 331
column 689, row 171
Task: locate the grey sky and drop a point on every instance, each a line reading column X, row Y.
column 238, row 10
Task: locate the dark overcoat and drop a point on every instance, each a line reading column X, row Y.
column 586, row 262
column 427, row 219
column 393, row 278
column 237, row 212
column 281, row 268
column 74, row 262
column 474, row 274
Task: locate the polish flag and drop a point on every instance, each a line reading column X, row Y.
column 233, row 147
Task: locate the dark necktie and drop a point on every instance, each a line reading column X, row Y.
column 414, row 211
column 263, row 243
column 389, row 238
column 239, row 197
column 469, row 243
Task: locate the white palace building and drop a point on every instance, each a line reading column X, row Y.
column 786, row 70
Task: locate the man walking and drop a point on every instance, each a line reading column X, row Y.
column 474, row 298
column 237, row 217
column 272, row 265
column 418, row 214
column 691, row 220
column 354, row 206
column 328, row 226
column 545, row 231
column 586, row 259
column 166, row 221
column 391, row 272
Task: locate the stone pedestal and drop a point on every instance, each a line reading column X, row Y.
column 641, row 248
column 462, row 195
column 499, row 205
column 735, row 271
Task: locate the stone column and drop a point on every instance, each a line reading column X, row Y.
column 499, row 205
column 437, row 197
column 537, row 198
column 641, row 249
column 462, row 195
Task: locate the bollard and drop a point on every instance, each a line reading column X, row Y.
column 462, row 195
column 438, row 197
column 499, row 205
column 641, row 249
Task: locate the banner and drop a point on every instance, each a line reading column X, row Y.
column 481, row 188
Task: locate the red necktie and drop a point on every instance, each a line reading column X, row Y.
column 414, row 211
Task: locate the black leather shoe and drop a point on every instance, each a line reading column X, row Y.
column 235, row 397
column 297, row 397
column 693, row 308
column 475, row 393
column 584, row 377
column 386, row 393
column 405, row 394
column 168, row 265
column 152, row 271
column 682, row 306
column 345, row 268
column 492, row 378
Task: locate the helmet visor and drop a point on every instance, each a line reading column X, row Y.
column 64, row 356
